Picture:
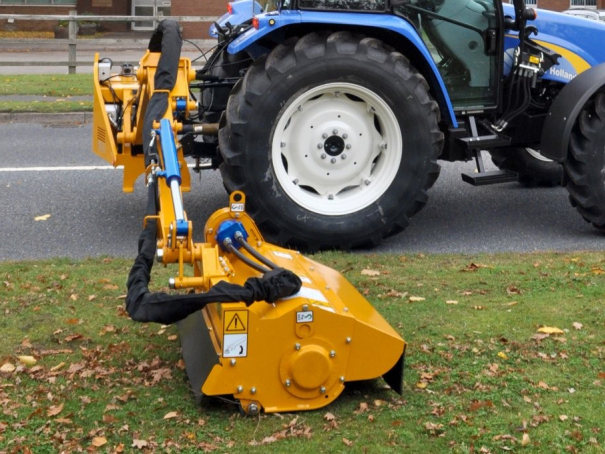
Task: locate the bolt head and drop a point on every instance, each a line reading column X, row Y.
column 283, row 144
column 330, row 197
column 345, row 136
column 288, row 383
column 300, row 108
column 333, row 160
column 335, row 131
column 332, row 354
column 322, row 390
column 324, row 136
column 367, row 182
column 253, row 390
column 240, row 389
column 348, row 146
column 296, row 346
column 305, row 307
column 253, row 409
column 342, row 379
column 233, row 362
column 348, row 340
column 295, row 181
column 323, row 156
column 320, row 146
column 343, row 156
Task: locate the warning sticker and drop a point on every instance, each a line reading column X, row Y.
column 235, row 345
column 235, row 322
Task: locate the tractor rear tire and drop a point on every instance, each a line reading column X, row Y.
column 334, row 140
column 585, row 165
column 532, row 168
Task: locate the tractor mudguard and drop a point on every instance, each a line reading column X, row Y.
column 565, row 110
column 239, row 12
column 270, row 22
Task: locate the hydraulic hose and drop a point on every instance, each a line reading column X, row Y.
column 257, row 255
column 228, row 244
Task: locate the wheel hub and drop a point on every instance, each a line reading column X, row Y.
column 334, row 145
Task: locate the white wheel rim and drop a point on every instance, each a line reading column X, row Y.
column 537, row 155
column 336, row 149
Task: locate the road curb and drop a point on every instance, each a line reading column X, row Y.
column 66, row 118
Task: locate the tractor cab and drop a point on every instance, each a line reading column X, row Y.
column 463, row 38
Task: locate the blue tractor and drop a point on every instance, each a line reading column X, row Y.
column 333, row 114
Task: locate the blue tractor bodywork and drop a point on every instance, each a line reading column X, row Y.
column 487, row 76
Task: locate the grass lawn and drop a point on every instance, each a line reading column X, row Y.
column 77, row 373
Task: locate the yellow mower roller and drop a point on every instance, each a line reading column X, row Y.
column 266, row 325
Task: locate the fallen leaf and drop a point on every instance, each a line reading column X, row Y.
column 44, row 217
column 367, row 272
column 421, row 385
column 502, row 355
column 139, row 444
column 27, row 360
column 451, row 302
column 577, row 325
column 478, row 404
column 99, row 441
column 347, row 442
column 563, row 417
column 7, row 367
column 415, row 299
column 479, row 308
column 550, row 330
column 329, row 417
column 172, row 414
column 54, row 410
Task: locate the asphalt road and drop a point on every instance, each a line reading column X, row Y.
column 90, row 216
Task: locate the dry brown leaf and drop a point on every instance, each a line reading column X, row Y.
column 451, row 302
column 7, row 367
column 139, row 444
column 54, row 410
column 371, row 418
column 44, row 217
column 478, row 404
column 563, row 417
column 367, row 272
column 99, row 441
column 479, row 308
column 172, row 414
column 577, row 325
column 347, row 442
column 92, row 297
column 329, row 417
column 363, row 407
column 421, row 385
column 550, row 330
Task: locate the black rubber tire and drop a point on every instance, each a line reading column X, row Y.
column 585, row 165
column 532, row 171
column 293, row 68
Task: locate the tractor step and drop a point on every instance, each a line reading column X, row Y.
column 492, row 177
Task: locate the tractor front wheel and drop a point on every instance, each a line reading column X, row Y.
column 585, row 165
column 334, row 139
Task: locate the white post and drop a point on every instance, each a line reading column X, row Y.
column 71, row 47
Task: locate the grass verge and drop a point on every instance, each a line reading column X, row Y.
column 479, row 376
column 55, row 85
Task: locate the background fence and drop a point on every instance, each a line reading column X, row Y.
column 72, row 37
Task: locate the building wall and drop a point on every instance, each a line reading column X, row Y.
column 23, row 25
column 197, row 30
column 107, row 8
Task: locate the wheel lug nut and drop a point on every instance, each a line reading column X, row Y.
column 367, row 182
column 348, row 146
column 330, row 197
column 333, row 160
column 335, row 131
column 320, row 146
column 324, row 135
column 345, row 136
column 323, row 156
column 283, row 144
column 343, row 156
column 295, row 181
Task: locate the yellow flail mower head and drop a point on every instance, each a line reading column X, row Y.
column 266, row 325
